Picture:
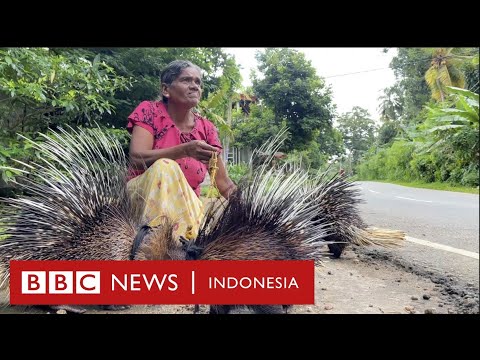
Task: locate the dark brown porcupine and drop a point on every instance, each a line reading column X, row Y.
column 268, row 218
column 337, row 202
column 76, row 207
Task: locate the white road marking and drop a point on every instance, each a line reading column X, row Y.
column 471, row 254
column 401, row 197
column 375, row 192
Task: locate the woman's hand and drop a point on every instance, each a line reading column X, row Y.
column 200, row 150
column 225, row 185
column 142, row 152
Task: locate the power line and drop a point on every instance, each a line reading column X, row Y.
column 370, row 70
column 356, row 72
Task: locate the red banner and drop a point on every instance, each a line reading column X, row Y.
column 161, row 282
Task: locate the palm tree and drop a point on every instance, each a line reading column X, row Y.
column 391, row 105
column 444, row 71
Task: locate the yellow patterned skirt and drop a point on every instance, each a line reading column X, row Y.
column 164, row 191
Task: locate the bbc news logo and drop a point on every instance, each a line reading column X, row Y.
column 61, row 282
column 161, row 282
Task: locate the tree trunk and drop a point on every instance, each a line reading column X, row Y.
column 442, row 98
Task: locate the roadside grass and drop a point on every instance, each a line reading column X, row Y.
column 415, row 184
column 432, row 186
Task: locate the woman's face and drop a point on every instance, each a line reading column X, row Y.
column 186, row 90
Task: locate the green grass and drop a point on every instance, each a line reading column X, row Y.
column 433, row 186
column 205, row 191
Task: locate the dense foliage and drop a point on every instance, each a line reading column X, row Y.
column 429, row 117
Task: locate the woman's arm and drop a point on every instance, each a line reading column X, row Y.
column 141, row 151
column 225, row 185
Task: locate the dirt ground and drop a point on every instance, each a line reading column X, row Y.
column 362, row 281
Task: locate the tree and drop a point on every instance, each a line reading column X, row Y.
column 391, row 106
column 291, row 88
column 358, row 131
column 254, row 130
column 217, row 106
column 145, row 66
column 409, row 67
column 330, row 142
column 387, row 132
column 472, row 72
column 444, row 71
column 39, row 88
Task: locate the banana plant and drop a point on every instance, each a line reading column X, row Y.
column 447, row 120
column 465, row 112
column 211, row 107
column 218, row 105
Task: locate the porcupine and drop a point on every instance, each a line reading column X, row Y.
column 255, row 223
column 337, row 202
column 76, row 207
column 267, row 218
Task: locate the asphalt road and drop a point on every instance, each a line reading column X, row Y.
column 442, row 227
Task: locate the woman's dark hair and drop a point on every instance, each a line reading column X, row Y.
column 172, row 72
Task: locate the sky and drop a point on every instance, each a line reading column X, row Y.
column 357, row 75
